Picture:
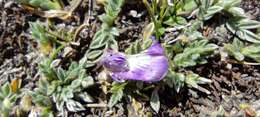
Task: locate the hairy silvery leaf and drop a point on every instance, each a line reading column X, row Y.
column 41, row 100
column 5, row 90
column 61, row 74
column 193, row 80
column 175, row 80
column 72, row 73
column 105, row 37
column 148, row 31
column 74, row 106
column 175, row 21
column 117, row 93
column 248, row 24
column 134, row 48
column 95, row 54
column 116, row 97
column 47, row 70
column 228, row 3
column 237, row 12
column 40, row 34
column 86, row 80
column 86, row 97
column 239, row 27
column 7, row 99
column 52, row 87
column 67, row 93
column 188, row 6
column 99, row 40
column 211, row 11
column 194, row 53
column 234, row 49
column 60, row 105
column 75, row 84
column 155, row 101
column 138, row 46
column 252, row 51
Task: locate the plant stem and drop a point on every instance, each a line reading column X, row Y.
column 151, row 13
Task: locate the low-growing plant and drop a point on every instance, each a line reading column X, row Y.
column 237, row 21
column 7, row 99
column 106, row 36
column 189, row 50
column 194, row 53
column 240, row 51
column 63, row 88
column 49, row 39
column 241, row 28
column 157, row 16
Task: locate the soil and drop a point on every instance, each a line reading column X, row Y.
column 233, row 84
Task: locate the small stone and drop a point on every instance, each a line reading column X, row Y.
column 229, row 66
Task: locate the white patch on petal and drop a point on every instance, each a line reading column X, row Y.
column 139, row 61
column 144, row 63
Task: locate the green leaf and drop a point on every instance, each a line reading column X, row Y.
column 52, row 87
column 248, row 24
column 148, row 31
column 234, row 49
column 43, row 4
column 193, row 80
column 155, row 101
column 99, row 40
column 7, row 104
column 105, row 37
column 252, row 51
column 61, row 73
column 211, row 11
column 189, row 5
column 112, row 43
column 74, row 106
column 227, row 4
column 134, row 48
column 175, row 21
column 114, row 31
column 194, row 53
column 175, row 80
column 72, row 73
column 76, row 84
column 117, row 93
column 237, row 12
column 86, row 81
column 6, row 90
column 239, row 28
column 86, row 97
column 116, row 97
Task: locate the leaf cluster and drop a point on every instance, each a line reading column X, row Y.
column 63, row 88
column 240, row 51
column 7, row 99
column 48, row 39
column 179, row 80
column 106, row 36
column 238, row 23
column 194, row 53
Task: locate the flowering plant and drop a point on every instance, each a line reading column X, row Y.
column 149, row 65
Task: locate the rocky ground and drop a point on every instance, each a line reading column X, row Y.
column 233, row 84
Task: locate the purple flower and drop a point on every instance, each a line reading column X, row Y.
column 150, row 65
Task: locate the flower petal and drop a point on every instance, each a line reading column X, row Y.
column 150, row 65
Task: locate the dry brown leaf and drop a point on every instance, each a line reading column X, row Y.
column 16, row 84
column 26, row 103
